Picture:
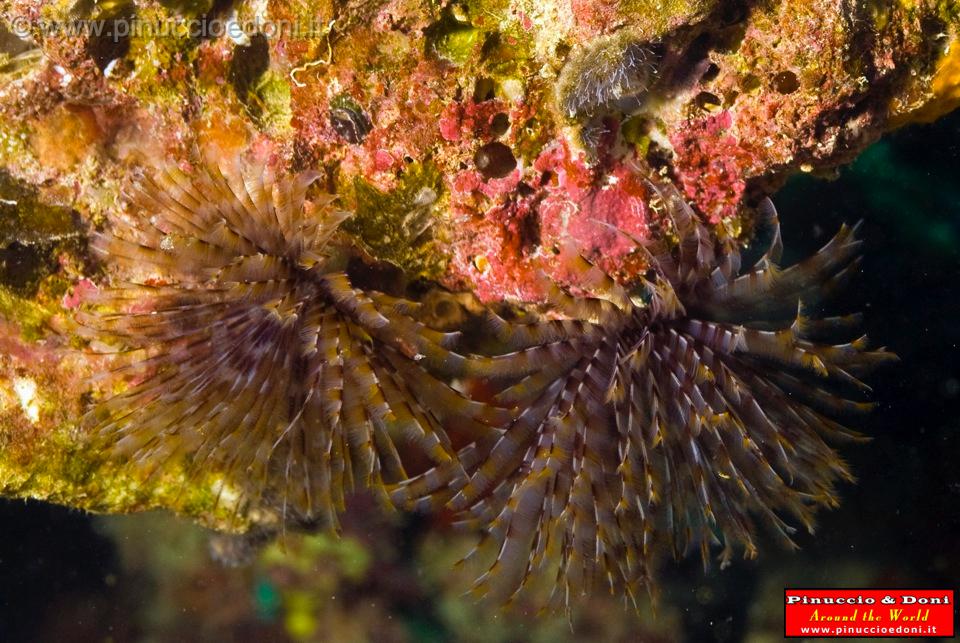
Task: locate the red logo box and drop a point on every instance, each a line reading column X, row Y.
column 873, row 613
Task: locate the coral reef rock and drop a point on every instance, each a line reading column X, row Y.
column 471, row 140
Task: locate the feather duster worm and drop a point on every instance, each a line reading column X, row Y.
column 250, row 353
column 679, row 412
column 614, row 73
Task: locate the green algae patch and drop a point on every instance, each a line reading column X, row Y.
column 655, row 17
column 64, row 471
column 30, row 317
column 270, row 104
column 51, row 455
column 14, row 66
column 400, row 226
column 161, row 64
column 24, row 218
column 509, row 53
column 188, row 7
column 453, row 40
column 264, row 92
column 32, row 237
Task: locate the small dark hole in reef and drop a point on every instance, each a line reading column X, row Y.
column 249, row 62
column 21, row 267
column 525, row 190
column 733, row 12
column 658, row 157
column 750, row 83
column 490, row 45
column 694, row 53
column 710, row 73
column 707, row 101
column 382, row 276
column 499, row 124
column 495, row 160
column 33, row 235
column 932, row 26
column 484, row 89
column 210, row 22
column 113, row 41
column 786, row 82
column 690, row 65
column 530, row 232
